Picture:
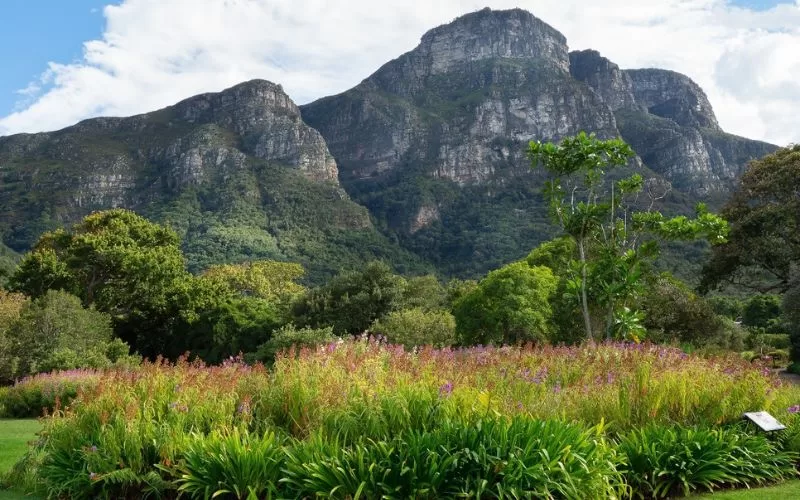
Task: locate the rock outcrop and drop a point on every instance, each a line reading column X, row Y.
column 446, row 125
column 431, row 145
column 237, row 172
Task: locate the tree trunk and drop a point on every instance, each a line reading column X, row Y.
column 587, row 320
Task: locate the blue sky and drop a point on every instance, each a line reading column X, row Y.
column 35, row 32
column 151, row 53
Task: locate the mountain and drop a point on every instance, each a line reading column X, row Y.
column 432, row 142
column 421, row 164
column 237, row 174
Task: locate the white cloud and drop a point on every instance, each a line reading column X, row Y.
column 156, row 52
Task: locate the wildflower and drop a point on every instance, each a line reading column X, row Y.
column 94, row 476
column 557, row 388
column 446, row 389
column 244, row 407
column 794, row 409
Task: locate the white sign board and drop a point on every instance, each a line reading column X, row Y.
column 765, row 421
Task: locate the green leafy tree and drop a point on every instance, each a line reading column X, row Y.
column 762, row 311
column 231, row 327
column 352, row 300
column 424, row 292
column 417, row 327
column 613, row 241
column 674, row 313
column 791, row 308
column 11, row 304
column 559, row 255
column 265, row 279
column 55, row 331
column 510, row 305
column 125, row 266
column 763, row 250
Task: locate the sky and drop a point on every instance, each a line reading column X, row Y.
column 64, row 61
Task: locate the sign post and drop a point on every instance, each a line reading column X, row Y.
column 764, row 421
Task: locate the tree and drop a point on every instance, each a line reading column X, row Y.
column 11, row 305
column 121, row 264
column 270, row 280
column 351, row 301
column 510, row 305
column 763, row 250
column 762, row 311
column 559, row 255
column 612, row 240
column 424, row 292
column 56, row 332
column 417, row 327
column 230, row 327
column 674, row 313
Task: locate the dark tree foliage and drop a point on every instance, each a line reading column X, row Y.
column 763, row 248
column 762, row 311
column 351, row 301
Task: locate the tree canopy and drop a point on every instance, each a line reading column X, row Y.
column 763, row 250
column 510, row 305
column 612, row 239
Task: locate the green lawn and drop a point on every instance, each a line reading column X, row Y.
column 783, row 491
column 14, row 437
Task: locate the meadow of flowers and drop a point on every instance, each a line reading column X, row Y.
column 366, row 419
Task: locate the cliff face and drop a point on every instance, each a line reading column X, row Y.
column 463, row 103
column 668, row 120
column 431, row 146
column 433, row 142
column 237, row 173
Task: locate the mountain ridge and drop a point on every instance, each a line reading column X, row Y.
column 421, row 163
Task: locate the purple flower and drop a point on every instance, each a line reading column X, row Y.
column 794, row 409
column 244, row 407
column 446, row 389
column 557, row 388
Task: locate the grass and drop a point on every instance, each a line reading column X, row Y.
column 789, row 489
column 14, row 437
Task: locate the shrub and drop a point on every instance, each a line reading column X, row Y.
column 676, row 314
column 232, row 463
column 417, row 327
column 760, row 341
column 522, row 458
column 510, row 305
column 289, row 336
column 55, row 332
column 664, row 461
column 44, row 393
column 351, row 301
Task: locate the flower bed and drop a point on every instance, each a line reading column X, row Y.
column 372, row 409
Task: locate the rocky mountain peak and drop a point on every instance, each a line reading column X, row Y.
column 486, row 34
column 673, row 95
column 240, row 106
column 268, row 122
column 606, row 78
